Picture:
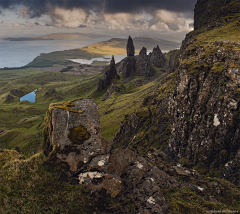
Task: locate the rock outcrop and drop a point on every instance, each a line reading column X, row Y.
column 74, row 145
column 72, row 136
column 128, row 66
column 9, row 98
column 17, row 92
column 140, row 65
column 173, row 63
column 130, row 47
column 209, row 12
column 157, row 58
column 204, row 109
column 143, row 64
column 109, row 75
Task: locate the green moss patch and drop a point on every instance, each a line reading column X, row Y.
column 78, row 135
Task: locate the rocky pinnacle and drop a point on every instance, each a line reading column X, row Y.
column 130, row 47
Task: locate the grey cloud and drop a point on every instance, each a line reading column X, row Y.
column 40, row 7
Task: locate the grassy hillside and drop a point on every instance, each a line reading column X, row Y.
column 21, row 123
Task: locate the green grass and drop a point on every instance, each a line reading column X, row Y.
column 61, row 58
column 21, row 124
column 17, row 73
column 33, row 186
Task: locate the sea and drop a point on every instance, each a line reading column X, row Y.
column 20, row 53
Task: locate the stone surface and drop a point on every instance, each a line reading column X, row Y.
column 157, row 58
column 128, row 66
column 109, row 75
column 143, row 64
column 76, row 137
column 130, row 47
column 204, row 110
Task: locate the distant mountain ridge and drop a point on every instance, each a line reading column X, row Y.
column 56, row 36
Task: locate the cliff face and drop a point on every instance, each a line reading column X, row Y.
column 204, row 108
column 208, row 11
column 201, row 121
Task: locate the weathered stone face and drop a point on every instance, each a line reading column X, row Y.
column 204, row 109
column 76, row 137
column 109, row 75
column 130, row 47
column 143, row 64
column 157, row 58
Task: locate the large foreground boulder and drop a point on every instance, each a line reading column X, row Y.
column 72, row 136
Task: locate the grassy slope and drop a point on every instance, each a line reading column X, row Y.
column 21, row 124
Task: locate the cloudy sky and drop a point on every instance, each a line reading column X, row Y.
column 167, row 19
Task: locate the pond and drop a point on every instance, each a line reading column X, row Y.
column 30, row 97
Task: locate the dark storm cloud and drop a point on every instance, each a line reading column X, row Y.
column 130, row 6
column 40, row 7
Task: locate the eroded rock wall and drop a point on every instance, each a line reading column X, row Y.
column 204, row 109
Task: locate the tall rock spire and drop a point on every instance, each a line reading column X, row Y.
column 130, row 47
column 109, row 75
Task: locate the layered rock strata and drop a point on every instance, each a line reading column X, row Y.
column 204, row 109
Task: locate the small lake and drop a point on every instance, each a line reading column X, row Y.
column 30, row 97
column 106, row 58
